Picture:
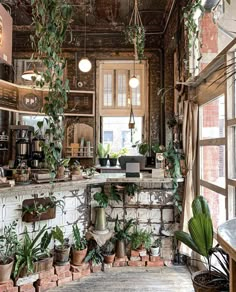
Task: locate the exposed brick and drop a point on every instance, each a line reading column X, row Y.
column 12, row 289
column 124, row 259
column 26, row 288
column 79, row 268
column 145, row 258
column 7, row 284
column 46, row 287
column 134, row 253
column 135, row 258
column 85, row 273
column 107, row 267
column 119, row 264
column 96, row 268
column 61, row 269
column 63, row 281
column 46, row 274
column 136, row 263
column 76, row 276
column 44, row 281
column 155, row 258
column 159, row 263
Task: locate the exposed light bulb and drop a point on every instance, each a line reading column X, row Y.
column 30, row 74
column 85, row 65
column 134, row 82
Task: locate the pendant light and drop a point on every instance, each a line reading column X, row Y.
column 134, row 82
column 84, row 64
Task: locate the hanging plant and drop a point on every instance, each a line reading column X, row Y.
column 51, row 19
column 135, row 35
column 190, row 23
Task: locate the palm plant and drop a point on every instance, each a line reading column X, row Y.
column 200, row 240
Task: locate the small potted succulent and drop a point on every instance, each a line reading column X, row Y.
column 62, row 251
column 155, row 247
column 113, row 156
column 108, row 251
column 8, row 246
column 79, row 248
column 102, row 152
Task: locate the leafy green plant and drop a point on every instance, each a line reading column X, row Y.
column 173, row 160
column 37, row 209
column 157, row 148
column 143, row 148
column 58, row 235
column 80, row 243
column 200, row 240
column 135, row 35
column 123, row 233
column 108, row 248
column 131, row 189
column 51, row 20
column 140, row 238
column 156, row 243
column 101, row 198
column 103, row 151
column 94, row 256
column 29, row 251
column 8, row 243
column 123, row 151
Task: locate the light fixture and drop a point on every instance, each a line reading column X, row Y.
column 30, row 75
column 84, row 64
column 134, row 82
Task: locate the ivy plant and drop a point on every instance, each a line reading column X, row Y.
column 135, row 35
column 51, row 19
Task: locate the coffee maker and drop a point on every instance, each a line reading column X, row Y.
column 37, row 151
column 21, row 144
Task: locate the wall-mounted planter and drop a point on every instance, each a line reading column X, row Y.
column 50, row 213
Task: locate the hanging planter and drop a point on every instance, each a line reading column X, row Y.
column 135, row 33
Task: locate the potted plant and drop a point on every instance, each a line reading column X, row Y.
column 108, row 251
column 155, row 247
column 122, row 236
column 28, row 253
column 62, row 251
column 79, row 248
column 8, row 247
column 45, row 259
column 113, row 156
column 62, row 164
column 38, row 209
column 140, row 239
column 94, row 257
column 103, row 152
column 75, row 168
column 200, row 240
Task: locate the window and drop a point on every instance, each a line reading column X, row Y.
column 115, row 98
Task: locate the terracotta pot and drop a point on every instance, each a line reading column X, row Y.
column 100, row 221
column 200, row 286
column 45, row 264
column 5, row 271
column 120, row 249
column 24, row 272
column 78, row 256
column 61, row 254
column 109, row 259
column 60, row 172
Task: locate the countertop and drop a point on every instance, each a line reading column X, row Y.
column 73, row 185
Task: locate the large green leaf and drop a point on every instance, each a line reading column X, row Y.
column 200, row 205
column 201, row 231
column 187, row 240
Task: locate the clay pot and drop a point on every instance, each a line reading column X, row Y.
column 5, row 271
column 120, row 249
column 109, row 259
column 24, row 272
column 45, row 264
column 60, row 172
column 78, row 256
column 61, row 254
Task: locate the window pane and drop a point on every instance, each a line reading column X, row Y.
column 232, row 202
column 121, row 89
column 136, row 94
column 217, row 206
column 108, row 137
column 212, row 164
column 107, row 89
column 121, row 132
column 212, row 119
column 232, row 152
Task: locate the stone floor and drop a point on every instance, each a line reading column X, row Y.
column 127, row 279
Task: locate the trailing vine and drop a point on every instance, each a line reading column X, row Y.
column 135, row 35
column 51, row 19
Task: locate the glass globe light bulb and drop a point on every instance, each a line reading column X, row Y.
column 85, row 65
column 134, row 82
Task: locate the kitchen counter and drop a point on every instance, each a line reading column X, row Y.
column 71, row 185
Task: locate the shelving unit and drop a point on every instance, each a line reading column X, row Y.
column 79, row 152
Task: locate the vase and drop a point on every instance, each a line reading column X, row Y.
column 100, row 220
column 120, row 249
